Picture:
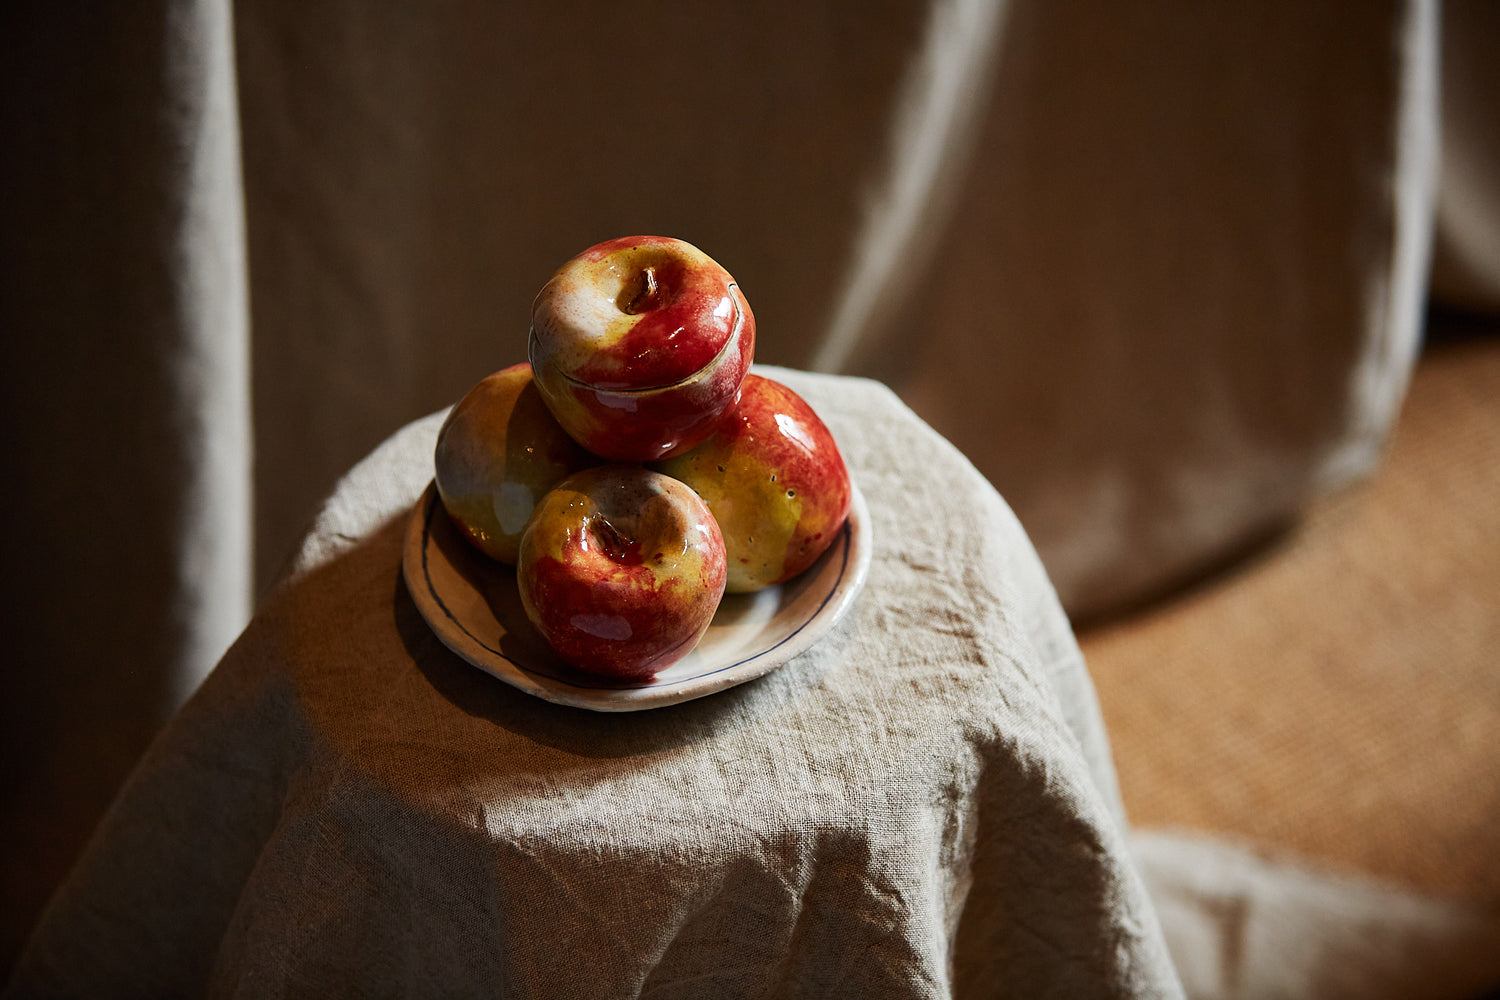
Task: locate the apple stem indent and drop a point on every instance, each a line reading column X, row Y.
column 619, row 547
column 645, row 291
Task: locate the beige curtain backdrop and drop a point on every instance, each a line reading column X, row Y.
column 125, row 385
column 1466, row 258
column 1155, row 267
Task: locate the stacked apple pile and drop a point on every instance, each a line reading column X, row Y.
column 635, row 470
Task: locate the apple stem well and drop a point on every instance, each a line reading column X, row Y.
column 619, row 547
column 644, row 292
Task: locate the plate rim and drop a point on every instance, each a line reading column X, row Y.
column 443, row 623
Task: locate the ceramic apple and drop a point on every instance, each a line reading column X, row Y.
column 621, row 570
column 640, row 345
column 498, row 453
column 775, row 481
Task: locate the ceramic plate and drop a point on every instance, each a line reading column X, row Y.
column 473, row 606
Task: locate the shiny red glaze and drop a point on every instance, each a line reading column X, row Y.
column 628, row 596
column 771, row 449
column 499, row 451
column 685, row 326
column 649, row 426
column 636, row 376
column 621, row 571
column 681, row 329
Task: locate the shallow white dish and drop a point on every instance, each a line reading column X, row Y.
column 472, row 605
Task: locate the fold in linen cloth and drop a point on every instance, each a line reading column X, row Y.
column 922, row 805
column 1243, row 923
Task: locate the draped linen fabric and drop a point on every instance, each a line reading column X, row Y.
column 125, row 389
column 1156, row 270
column 1466, row 257
column 922, row 805
column 1183, row 290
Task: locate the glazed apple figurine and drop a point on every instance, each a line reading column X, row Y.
column 775, row 481
column 621, row 570
column 498, row 453
column 640, row 345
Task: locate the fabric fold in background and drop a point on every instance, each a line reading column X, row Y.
column 1154, row 274
column 1174, row 238
column 125, row 389
column 1181, row 293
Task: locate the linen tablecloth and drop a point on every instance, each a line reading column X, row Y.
column 922, row 805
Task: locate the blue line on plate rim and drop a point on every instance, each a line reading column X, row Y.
column 433, row 502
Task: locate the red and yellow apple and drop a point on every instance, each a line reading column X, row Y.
column 498, row 453
column 775, row 481
column 621, row 570
column 640, row 345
